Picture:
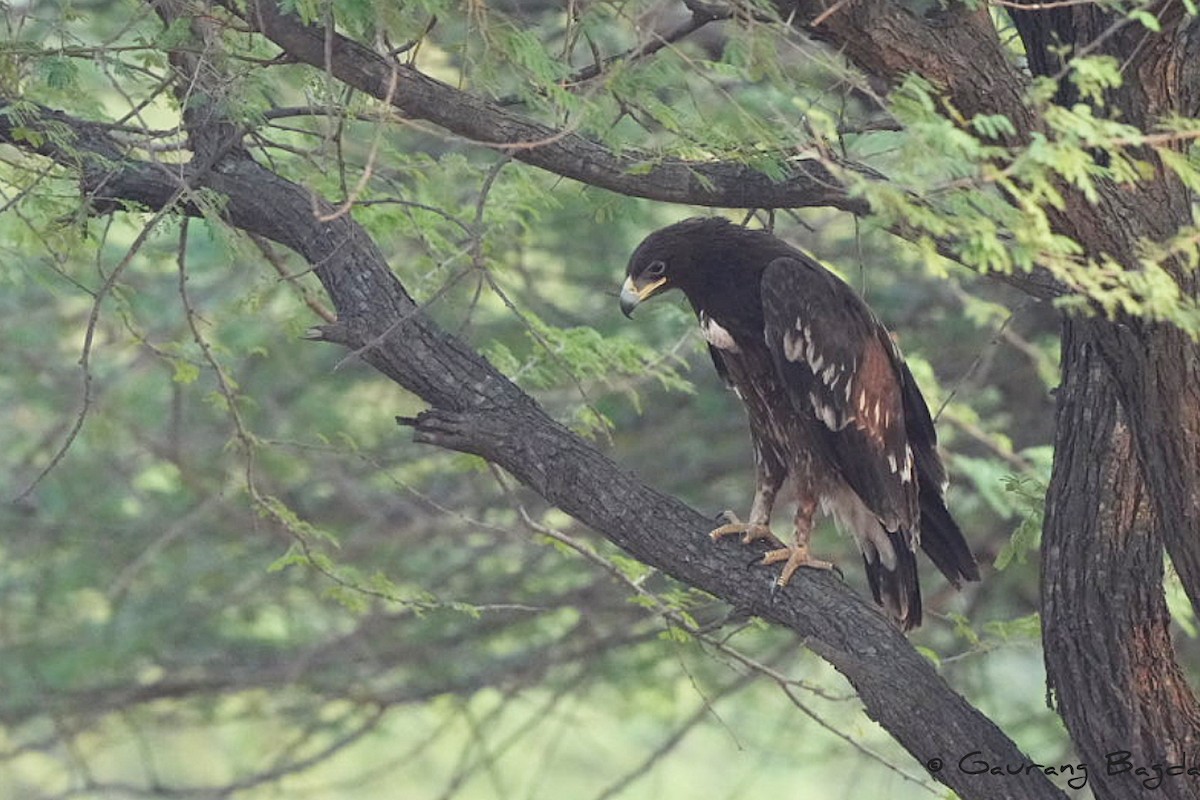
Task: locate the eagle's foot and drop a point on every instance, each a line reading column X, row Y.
column 750, row 531
column 794, row 558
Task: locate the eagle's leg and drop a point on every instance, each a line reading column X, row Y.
column 797, row 555
column 759, row 524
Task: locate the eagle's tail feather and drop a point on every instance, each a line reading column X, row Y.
column 942, row 540
column 897, row 590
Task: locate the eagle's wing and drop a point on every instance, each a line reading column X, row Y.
column 836, row 360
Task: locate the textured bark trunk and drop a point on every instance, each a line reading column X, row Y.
column 1110, row 660
column 1126, row 478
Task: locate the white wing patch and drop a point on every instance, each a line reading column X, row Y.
column 793, row 346
column 828, row 414
column 905, row 468
column 800, row 347
column 717, row 336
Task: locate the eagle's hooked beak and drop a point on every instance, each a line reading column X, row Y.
column 631, row 295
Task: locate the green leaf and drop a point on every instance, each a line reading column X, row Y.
column 185, row 371
column 1028, row 627
column 59, row 72
column 1183, row 165
column 993, row 126
column 293, row 557
column 1148, row 20
column 1028, row 494
column 930, row 654
column 22, row 134
column 674, row 633
column 1093, row 75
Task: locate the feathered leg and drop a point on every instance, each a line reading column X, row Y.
column 759, row 524
column 797, row 555
column 769, row 477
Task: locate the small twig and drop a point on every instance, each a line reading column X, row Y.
column 368, row 167
column 829, row 12
column 441, row 212
column 657, row 42
column 414, row 43
column 1042, row 6
column 85, row 358
column 273, row 258
column 981, row 436
column 284, row 112
column 995, row 341
column 866, row 751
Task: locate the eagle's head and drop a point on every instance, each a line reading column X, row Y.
column 705, row 257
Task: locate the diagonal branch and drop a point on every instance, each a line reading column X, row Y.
column 476, row 409
column 658, row 41
column 813, row 182
column 561, row 151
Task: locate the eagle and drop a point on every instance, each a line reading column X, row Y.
column 838, row 424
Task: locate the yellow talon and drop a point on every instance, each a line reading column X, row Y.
column 750, row 531
column 796, row 556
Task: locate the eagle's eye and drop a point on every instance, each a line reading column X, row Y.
column 655, row 269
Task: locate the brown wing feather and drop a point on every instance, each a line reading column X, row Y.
column 836, row 361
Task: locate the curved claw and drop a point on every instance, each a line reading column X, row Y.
column 779, row 584
column 794, row 558
column 751, row 531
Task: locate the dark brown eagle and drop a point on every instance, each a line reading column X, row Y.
column 837, row 421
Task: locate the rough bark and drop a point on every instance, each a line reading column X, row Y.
column 561, row 151
column 1110, row 660
column 811, row 182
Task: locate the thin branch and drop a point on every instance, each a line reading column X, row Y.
column 89, row 336
column 276, row 262
column 562, row 151
column 861, row 748
column 368, row 167
column 656, row 42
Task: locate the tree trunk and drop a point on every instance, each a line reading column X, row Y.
column 1110, row 660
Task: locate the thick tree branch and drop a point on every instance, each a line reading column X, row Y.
column 476, row 409
column 561, row 151
column 955, row 47
column 812, row 182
